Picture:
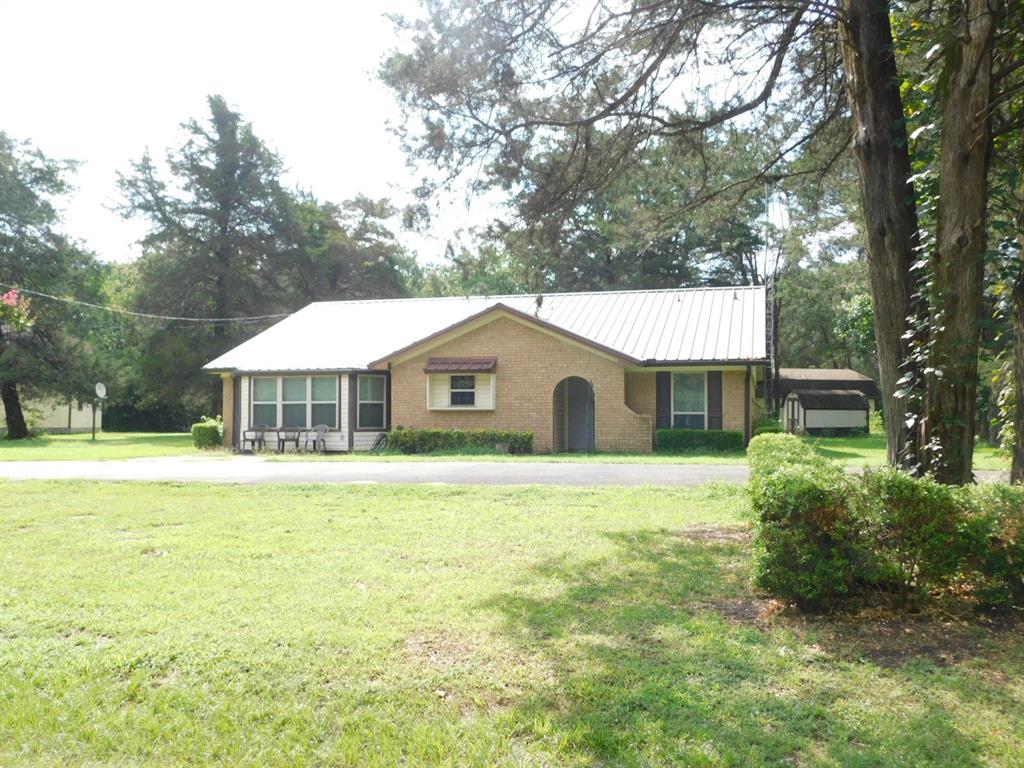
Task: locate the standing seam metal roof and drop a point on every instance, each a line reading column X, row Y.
column 684, row 325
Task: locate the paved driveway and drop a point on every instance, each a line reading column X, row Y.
column 248, row 469
column 254, row 469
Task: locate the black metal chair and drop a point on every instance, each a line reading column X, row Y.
column 288, row 434
column 257, row 435
column 318, row 435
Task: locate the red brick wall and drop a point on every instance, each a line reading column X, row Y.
column 531, row 363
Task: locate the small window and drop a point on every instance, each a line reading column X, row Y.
column 370, row 407
column 688, row 401
column 264, row 401
column 462, row 391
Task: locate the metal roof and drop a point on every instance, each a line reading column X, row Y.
column 684, row 325
column 824, row 378
column 831, row 399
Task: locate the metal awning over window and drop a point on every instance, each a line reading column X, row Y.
column 460, row 365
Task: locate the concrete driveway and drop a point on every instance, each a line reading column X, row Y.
column 249, row 469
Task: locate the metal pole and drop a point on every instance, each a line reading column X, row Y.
column 93, row 419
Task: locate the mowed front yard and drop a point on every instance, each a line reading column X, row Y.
column 149, row 624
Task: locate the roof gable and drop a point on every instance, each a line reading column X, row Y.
column 686, row 325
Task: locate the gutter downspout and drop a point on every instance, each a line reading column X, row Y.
column 746, row 408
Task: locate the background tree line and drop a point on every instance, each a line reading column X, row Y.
column 228, row 241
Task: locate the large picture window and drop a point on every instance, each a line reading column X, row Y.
column 295, row 401
column 370, row 408
column 688, row 401
column 462, row 391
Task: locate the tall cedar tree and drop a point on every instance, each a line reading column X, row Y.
column 214, row 248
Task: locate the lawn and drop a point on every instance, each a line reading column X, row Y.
column 108, row 445
column 870, row 449
column 455, row 626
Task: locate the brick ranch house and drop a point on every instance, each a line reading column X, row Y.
column 583, row 371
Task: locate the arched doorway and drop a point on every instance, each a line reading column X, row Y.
column 573, row 415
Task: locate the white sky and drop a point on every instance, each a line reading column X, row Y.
column 100, row 81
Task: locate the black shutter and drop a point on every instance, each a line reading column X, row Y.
column 714, row 399
column 663, row 400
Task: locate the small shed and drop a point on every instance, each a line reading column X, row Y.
column 790, row 379
column 836, row 411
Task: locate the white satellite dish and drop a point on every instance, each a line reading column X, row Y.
column 101, row 390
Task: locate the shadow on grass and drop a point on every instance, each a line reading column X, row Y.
column 650, row 666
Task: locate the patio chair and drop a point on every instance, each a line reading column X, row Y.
column 288, row 434
column 257, row 435
column 318, row 435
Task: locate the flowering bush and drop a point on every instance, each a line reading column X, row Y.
column 14, row 310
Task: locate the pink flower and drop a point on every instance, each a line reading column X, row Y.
column 10, row 298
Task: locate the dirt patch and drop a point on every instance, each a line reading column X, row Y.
column 882, row 637
column 438, row 650
column 716, row 534
column 893, row 640
column 749, row 610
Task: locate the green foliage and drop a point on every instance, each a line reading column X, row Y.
column 228, row 239
column 435, row 440
column 824, row 537
column 912, row 527
column 767, row 424
column 821, row 320
column 808, row 538
column 682, row 440
column 50, row 354
column 992, row 544
column 208, row 432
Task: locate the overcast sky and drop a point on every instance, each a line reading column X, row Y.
column 100, row 81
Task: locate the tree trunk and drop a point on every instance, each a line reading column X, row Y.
column 1017, row 468
column 16, row 427
column 887, row 199
column 957, row 265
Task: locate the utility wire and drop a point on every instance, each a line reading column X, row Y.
column 147, row 315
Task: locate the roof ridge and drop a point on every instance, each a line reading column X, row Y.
column 500, row 296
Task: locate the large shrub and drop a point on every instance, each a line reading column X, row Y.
column 992, row 544
column 823, row 536
column 913, row 525
column 682, row 440
column 808, row 537
column 435, row 440
column 208, row 432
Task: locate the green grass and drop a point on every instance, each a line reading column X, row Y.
column 870, row 449
column 457, row 626
column 108, row 445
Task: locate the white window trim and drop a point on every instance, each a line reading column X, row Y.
column 281, row 402
column 689, row 413
column 477, row 406
column 383, row 402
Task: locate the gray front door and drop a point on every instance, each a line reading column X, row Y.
column 580, row 414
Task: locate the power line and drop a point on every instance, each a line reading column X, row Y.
column 147, row 315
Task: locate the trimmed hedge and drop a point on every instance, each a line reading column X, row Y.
column 208, row 433
column 433, row 440
column 807, row 539
column 681, row 440
column 823, row 536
